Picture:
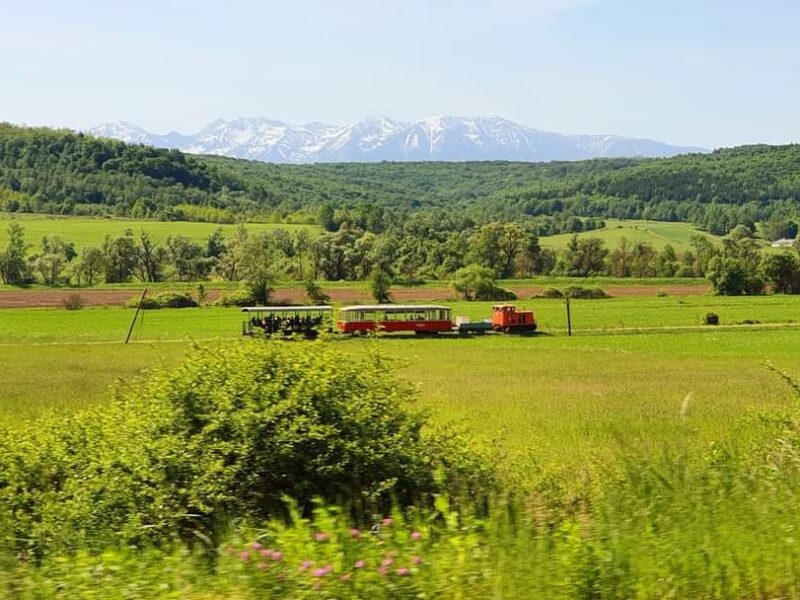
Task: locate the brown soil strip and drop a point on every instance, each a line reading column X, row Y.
column 55, row 298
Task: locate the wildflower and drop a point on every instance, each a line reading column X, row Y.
column 257, row 546
column 321, row 537
column 345, row 577
column 416, row 560
column 403, row 571
column 322, row 571
column 276, row 555
column 387, row 562
column 261, row 566
column 360, row 564
column 265, row 552
column 244, row 555
column 416, row 535
column 382, row 571
column 306, row 564
column 355, row 533
column 387, row 522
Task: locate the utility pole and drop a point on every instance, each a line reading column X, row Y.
column 138, row 308
column 569, row 317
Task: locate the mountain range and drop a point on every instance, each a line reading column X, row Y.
column 382, row 139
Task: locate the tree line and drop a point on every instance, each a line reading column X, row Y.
column 421, row 250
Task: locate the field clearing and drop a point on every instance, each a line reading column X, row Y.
column 111, row 323
column 658, row 233
column 354, row 292
column 564, row 403
column 90, row 231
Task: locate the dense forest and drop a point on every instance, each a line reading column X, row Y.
column 58, row 171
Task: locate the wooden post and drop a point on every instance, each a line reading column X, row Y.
column 569, row 318
column 138, row 308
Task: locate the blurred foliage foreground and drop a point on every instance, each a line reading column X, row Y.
column 289, row 470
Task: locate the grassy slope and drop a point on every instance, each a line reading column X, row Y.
column 87, row 231
column 658, row 233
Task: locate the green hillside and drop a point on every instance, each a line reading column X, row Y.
column 89, row 231
column 657, row 233
column 61, row 172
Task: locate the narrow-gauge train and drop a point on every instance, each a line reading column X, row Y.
column 425, row 319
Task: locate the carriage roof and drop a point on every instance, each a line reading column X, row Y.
column 394, row 308
column 293, row 309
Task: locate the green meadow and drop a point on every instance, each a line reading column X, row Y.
column 618, row 437
column 621, row 378
column 658, row 233
column 90, row 231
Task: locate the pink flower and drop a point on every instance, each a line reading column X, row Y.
column 403, row 571
column 306, row 564
column 416, row 535
column 276, row 555
column 355, row 533
column 387, row 522
column 387, row 562
column 345, row 577
column 257, row 546
column 360, row 564
column 244, row 555
column 382, row 571
column 416, row 560
column 321, row 537
column 322, row 571
column 261, row 566
column 265, row 552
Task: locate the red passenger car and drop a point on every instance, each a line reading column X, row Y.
column 421, row 319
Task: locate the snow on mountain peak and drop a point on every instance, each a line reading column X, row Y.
column 377, row 138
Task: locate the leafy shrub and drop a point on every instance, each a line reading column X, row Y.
column 241, row 297
column 175, row 300
column 163, row 300
column 494, row 292
column 73, row 302
column 227, row 435
column 711, row 318
column 315, row 294
column 551, row 292
column 575, row 291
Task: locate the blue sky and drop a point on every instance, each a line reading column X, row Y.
column 709, row 73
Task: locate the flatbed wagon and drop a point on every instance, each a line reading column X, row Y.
column 307, row 321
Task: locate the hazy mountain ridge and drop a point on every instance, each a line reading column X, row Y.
column 379, row 138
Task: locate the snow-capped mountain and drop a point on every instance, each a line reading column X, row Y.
column 379, row 138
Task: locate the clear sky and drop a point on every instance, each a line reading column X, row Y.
column 702, row 72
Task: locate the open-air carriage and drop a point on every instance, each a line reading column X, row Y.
column 307, row 321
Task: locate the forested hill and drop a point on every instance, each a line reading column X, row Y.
column 43, row 170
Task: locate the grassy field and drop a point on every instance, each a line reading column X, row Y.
column 567, row 414
column 87, row 231
column 658, row 233
column 567, row 400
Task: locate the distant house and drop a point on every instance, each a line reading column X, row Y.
column 782, row 243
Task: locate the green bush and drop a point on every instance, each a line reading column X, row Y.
column 227, row 435
column 163, row 300
column 73, row 302
column 241, row 297
column 551, row 292
column 575, row 291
